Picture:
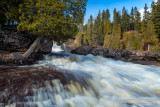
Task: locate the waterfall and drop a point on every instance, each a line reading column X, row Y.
column 56, row 48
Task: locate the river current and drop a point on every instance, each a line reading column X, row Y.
column 102, row 82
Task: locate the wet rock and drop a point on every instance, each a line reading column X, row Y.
column 124, row 55
column 83, row 50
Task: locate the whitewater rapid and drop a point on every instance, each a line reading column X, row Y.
column 103, row 82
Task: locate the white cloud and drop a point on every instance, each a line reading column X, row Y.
column 141, row 12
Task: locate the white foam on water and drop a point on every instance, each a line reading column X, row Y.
column 107, row 83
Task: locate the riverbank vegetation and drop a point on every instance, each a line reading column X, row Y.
column 128, row 30
column 54, row 19
column 57, row 20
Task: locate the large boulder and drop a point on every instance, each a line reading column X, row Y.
column 45, row 45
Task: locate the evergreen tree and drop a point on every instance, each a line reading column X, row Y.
column 95, row 34
column 99, row 29
column 108, row 41
column 135, row 11
column 84, row 37
column 156, row 17
column 103, row 16
column 107, row 14
column 137, row 23
column 90, row 30
column 132, row 19
column 9, row 10
column 125, row 20
column 116, row 31
column 150, row 36
column 54, row 19
column 99, row 17
column 116, row 36
column 143, row 28
column 107, row 27
column 117, row 18
column 132, row 40
column 80, row 40
column 103, row 21
column 108, row 32
column 123, row 10
column 145, row 17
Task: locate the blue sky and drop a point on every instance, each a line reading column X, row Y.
column 93, row 6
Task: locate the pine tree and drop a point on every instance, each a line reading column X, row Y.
column 116, row 36
column 143, row 28
column 116, row 31
column 103, row 16
column 132, row 19
column 103, row 21
column 80, row 40
column 145, row 17
column 125, row 20
column 135, row 11
column 85, row 35
column 156, row 17
column 108, row 32
column 107, row 14
column 137, row 23
column 150, row 36
column 99, row 29
column 123, row 10
column 90, row 36
column 99, row 17
column 95, row 34
column 108, row 41
column 117, row 17
column 9, row 10
column 107, row 27
column 132, row 40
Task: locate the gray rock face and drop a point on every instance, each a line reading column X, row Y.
column 16, row 44
column 46, row 45
column 13, row 41
column 124, row 55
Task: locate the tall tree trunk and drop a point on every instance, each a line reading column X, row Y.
column 32, row 48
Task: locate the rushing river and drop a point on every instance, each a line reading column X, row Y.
column 97, row 82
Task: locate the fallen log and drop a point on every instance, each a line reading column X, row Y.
column 34, row 47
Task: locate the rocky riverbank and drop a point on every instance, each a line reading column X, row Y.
column 140, row 57
column 14, row 44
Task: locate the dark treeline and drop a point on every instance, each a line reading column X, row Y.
column 127, row 30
